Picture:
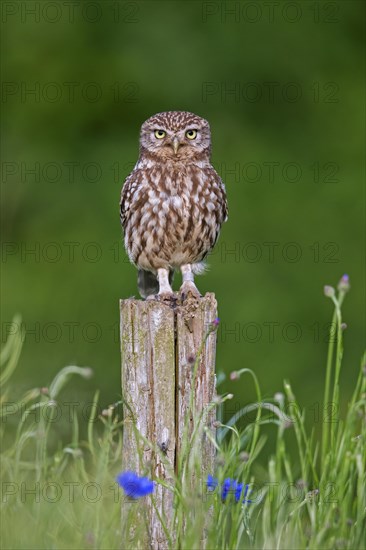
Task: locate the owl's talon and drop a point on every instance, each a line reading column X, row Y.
column 189, row 290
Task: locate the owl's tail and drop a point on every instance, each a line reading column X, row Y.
column 148, row 284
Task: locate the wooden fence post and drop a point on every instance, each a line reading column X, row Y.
column 159, row 346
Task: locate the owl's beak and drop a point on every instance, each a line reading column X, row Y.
column 175, row 145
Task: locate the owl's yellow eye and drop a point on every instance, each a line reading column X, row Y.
column 160, row 134
column 191, row 134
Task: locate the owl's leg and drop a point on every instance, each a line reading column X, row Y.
column 165, row 290
column 188, row 287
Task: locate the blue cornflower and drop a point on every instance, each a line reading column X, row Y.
column 238, row 491
column 212, row 483
column 229, row 486
column 135, row 486
column 225, row 488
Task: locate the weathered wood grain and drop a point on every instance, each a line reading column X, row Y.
column 159, row 348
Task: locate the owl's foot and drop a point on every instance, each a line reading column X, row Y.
column 188, row 291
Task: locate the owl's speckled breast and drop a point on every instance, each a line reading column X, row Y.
column 174, row 220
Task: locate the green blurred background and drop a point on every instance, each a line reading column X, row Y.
column 282, row 86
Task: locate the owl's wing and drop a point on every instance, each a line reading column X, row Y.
column 225, row 209
column 128, row 190
column 221, row 200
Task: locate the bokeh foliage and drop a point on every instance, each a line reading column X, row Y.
column 164, row 55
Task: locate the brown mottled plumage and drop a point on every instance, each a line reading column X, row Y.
column 173, row 203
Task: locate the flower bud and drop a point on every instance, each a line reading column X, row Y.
column 329, row 291
column 343, row 285
column 244, row 456
column 279, row 397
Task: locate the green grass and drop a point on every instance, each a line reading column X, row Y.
column 65, row 496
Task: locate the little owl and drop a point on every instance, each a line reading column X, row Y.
column 172, row 204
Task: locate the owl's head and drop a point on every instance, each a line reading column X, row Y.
column 176, row 135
